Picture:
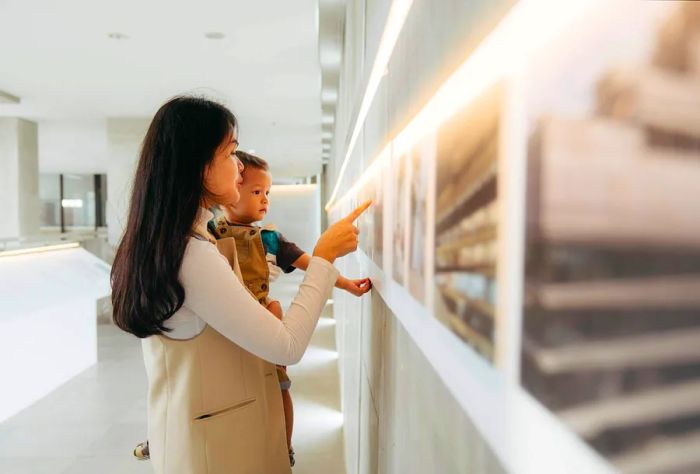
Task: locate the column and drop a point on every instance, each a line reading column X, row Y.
column 19, row 178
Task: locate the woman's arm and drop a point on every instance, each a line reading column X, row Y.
column 215, row 294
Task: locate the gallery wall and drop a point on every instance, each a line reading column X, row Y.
column 534, row 170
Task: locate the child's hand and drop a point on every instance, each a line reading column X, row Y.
column 275, row 308
column 355, row 287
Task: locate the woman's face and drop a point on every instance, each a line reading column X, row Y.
column 222, row 177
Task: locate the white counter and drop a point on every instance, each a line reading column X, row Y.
column 47, row 322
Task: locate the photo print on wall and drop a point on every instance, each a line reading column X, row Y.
column 466, row 228
column 421, row 163
column 400, row 233
column 612, row 270
column 377, row 212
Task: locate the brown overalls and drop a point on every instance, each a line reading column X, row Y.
column 253, row 265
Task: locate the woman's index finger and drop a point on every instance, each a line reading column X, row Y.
column 358, row 211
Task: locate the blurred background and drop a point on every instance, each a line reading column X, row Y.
column 534, row 241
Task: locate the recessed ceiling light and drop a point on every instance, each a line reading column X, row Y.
column 251, row 151
column 214, row 35
column 117, row 36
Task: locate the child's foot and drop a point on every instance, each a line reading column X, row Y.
column 141, row 451
column 291, row 457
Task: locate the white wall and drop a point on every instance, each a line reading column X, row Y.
column 399, row 415
column 296, row 211
column 406, row 407
column 124, row 137
column 73, row 146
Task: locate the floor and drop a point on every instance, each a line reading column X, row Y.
column 91, row 424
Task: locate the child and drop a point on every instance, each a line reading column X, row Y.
column 262, row 250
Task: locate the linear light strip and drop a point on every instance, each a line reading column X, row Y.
column 45, row 248
column 394, row 25
column 527, row 27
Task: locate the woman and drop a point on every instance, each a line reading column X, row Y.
column 209, row 348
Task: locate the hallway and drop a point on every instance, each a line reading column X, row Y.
column 522, row 183
column 92, row 423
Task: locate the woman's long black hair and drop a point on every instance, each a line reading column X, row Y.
column 167, row 192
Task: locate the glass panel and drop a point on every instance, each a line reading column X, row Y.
column 79, row 200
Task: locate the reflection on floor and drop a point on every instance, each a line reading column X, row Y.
column 92, row 423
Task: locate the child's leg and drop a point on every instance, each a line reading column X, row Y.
column 288, row 415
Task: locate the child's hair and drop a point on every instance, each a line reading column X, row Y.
column 252, row 161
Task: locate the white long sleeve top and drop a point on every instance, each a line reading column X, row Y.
column 215, row 296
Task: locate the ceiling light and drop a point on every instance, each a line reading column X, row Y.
column 117, row 36
column 214, row 35
column 72, row 203
column 326, row 135
column 327, row 119
column 6, row 98
column 251, row 151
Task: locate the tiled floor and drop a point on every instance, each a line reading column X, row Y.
column 91, row 424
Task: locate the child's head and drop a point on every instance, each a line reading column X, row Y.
column 254, row 191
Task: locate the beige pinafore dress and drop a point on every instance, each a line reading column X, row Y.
column 213, row 408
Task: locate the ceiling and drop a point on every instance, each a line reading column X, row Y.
column 58, row 58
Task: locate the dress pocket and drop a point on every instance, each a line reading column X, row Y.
column 235, row 439
column 224, row 411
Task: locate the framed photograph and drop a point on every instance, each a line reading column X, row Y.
column 612, row 272
column 401, row 217
column 366, row 222
column 466, row 228
column 421, row 161
column 377, row 211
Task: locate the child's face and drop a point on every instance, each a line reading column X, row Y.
column 254, row 201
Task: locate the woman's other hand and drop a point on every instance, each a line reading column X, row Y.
column 340, row 238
